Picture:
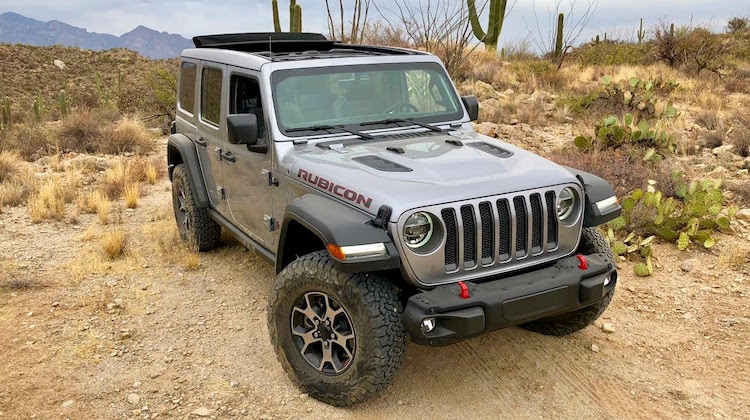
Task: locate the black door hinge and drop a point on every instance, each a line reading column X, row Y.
column 272, row 182
column 272, row 223
column 222, row 193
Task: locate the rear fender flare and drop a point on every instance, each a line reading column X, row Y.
column 181, row 150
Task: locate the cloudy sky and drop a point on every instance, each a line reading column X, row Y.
column 193, row 17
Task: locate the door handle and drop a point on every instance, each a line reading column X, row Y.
column 200, row 142
column 228, row 156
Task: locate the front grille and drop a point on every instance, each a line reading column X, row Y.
column 536, row 223
column 470, row 235
column 488, row 242
column 521, row 226
column 551, row 215
column 451, row 242
column 499, row 232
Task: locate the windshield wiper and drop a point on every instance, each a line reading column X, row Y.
column 328, row 128
column 404, row 120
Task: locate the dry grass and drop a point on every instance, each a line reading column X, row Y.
column 30, row 141
column 100, row 204
column 151, row 173
column 128, row 135
column 113, row 243
column 13, row 276
column 191, row 260
column 132, row 193
column 49, row 203
column 17, row 180
column 734, row 258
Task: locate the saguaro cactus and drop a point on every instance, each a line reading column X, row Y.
column 641, row 33
column 295, row 16
column 6, row 113
column 495, row 25
column 39, row 108
column 64, row 103
column 559, row 39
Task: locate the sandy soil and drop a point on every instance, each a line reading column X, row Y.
column 144, row 336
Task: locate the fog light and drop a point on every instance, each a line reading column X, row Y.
column 607, row 279
column 428, row 324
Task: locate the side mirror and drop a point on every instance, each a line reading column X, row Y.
column 471, row 103
column 242, row 129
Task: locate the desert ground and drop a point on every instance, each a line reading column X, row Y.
column 160, row 332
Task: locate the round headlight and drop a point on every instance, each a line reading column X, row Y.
column 566, row 203
column 418, row 229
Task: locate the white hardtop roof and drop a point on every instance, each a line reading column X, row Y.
column 255, row 62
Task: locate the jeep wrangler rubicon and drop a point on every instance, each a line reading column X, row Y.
column 356, row 171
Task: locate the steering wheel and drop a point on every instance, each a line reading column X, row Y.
column 400, row 105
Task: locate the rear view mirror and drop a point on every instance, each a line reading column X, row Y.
column 242, row 129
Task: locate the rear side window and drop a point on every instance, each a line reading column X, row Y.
column 211, row 95
column 188, row 73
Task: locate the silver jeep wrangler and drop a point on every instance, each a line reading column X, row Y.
column 356, row 171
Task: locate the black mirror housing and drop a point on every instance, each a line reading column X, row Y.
column 471, row 103
column 242, row 129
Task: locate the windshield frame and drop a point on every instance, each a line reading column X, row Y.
column 277, row 76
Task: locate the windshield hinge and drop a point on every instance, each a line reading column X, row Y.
column 272, row 182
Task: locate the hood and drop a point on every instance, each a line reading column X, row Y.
column 408, row 171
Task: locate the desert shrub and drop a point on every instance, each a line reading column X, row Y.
column 713, row 139
column 614, row 54
column 619, row 168
column 738, row 24
column 740, row 190
column 127, row 135
column 741, row 141
column 30, row 141
column 708, row 119
column 82, row 131
column 704, row 50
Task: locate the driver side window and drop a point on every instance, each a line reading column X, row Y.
column 245, row 98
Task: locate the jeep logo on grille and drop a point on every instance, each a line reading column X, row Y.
column 335, row 189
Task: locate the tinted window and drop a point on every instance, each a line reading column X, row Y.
column 188, row 72
column 245, row 99
column 211, row 95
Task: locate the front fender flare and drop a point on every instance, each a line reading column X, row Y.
column 335, row 223
column 180, row 149
column 597, row 192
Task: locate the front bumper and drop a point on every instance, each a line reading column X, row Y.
column 495, row 304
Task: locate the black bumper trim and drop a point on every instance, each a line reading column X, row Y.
column 508, row 301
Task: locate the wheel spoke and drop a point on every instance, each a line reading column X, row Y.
column 327, row 358
column 331, row 313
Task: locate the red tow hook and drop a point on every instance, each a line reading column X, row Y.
column 584, row 265
column 464, row 290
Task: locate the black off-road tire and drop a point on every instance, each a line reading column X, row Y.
column 592, row 242
column 372, row 305
column 196, row 227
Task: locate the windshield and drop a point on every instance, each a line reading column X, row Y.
column 351, row 95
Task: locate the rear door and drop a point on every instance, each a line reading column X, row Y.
column 210, row 128
column 247, row 173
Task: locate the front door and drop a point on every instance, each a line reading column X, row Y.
column 246, row 176
column 211, row 125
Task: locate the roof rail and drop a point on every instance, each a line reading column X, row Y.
column 286, row 43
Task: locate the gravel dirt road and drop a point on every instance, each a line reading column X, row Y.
column 149, row 336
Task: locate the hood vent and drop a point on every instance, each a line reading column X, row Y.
column 492, row 149
column 381, row 164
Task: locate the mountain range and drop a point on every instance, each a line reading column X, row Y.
column 18, row 29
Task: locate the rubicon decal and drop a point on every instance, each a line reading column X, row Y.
column 335, row 189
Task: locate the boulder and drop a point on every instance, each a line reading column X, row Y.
column 59, row 64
